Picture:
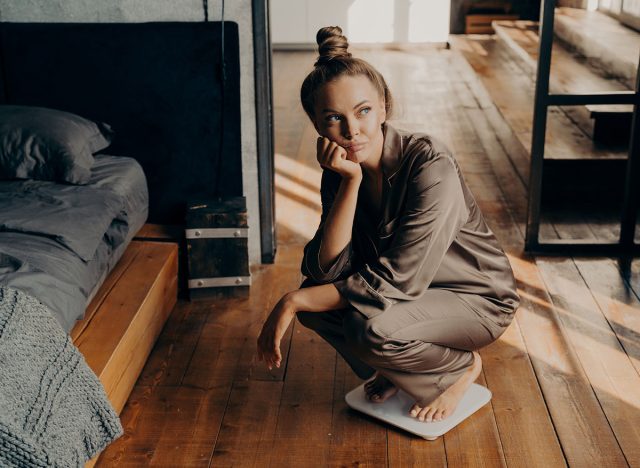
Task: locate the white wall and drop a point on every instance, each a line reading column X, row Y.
column 170, row 10
column 362, row 21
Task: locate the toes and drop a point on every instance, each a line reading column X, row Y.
column 373, row 394
column 427, row 413
column 380, row 395
column 423, row 413
column 430, row 414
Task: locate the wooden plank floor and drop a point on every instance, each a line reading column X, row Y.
column 564, row 377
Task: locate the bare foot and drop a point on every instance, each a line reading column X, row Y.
column 379, row 389
column 446, row 403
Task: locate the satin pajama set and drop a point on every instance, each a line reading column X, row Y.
column 427, row 283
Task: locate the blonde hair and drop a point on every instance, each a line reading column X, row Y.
column 335, row 61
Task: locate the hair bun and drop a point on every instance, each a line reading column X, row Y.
column 331, row 44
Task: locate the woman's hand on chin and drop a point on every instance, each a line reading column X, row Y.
column 333, row 156
column 274, row 329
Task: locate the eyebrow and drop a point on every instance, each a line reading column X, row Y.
column 356, row 106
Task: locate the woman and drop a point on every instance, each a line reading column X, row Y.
column 404, row 278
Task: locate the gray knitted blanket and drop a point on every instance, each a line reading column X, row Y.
column 53, row 408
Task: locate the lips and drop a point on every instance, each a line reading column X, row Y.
column 355, row 147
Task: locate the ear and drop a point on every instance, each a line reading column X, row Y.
column 383, row 111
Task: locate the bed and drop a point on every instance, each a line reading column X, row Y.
column 43, row 263
column 67, row 214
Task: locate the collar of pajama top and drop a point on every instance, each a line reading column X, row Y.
column 391, row 161
column 431, row 233
column 392, row 152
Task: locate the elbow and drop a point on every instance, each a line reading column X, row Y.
column 312, row 267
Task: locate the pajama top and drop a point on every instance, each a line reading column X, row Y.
column 431, row 235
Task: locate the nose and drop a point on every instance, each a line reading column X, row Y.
column 350, row 129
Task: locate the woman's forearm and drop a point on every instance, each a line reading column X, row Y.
column 337, row 227
column 312, row 299
column 318, row 298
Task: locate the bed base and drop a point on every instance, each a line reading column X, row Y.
column 126, row 315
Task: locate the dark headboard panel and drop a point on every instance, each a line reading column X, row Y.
column 159, row 85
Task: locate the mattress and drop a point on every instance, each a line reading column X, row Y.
column 64, row 244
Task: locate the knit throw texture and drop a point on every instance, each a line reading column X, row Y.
column 53, row 409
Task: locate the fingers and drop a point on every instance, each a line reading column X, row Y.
column 278, row 356
column 322, row 145
column 269, row 351
column 329, row 153
column 337, row 154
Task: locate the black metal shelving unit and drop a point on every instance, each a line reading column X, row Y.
column 543, row 100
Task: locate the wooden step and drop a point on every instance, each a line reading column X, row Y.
column 481, row 23
column 610, row 47
column 126, row 316
column 173, row 233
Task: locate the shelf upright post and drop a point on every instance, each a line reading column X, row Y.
column 539, row 124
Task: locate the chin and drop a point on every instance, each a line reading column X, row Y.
column 359, row 157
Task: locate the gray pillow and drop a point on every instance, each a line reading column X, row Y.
column 47, row 144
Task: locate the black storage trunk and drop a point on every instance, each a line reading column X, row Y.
column 217, row 247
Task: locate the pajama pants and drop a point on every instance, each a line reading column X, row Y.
column 422, row 346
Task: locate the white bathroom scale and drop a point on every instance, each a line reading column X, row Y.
column 395, row 410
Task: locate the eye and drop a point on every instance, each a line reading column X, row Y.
column 332, row 118
column 365, row 110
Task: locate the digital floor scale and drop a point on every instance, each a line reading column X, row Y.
column 395, row 410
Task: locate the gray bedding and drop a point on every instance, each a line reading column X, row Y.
column 54, row 411
column 58, row 242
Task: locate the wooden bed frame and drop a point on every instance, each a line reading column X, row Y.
column 125, row 317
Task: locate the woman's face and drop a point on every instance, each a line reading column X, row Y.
column 350, row 112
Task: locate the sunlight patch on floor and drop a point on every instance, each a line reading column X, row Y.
column 289, row 166
column 595, row 343
column 298, row 204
